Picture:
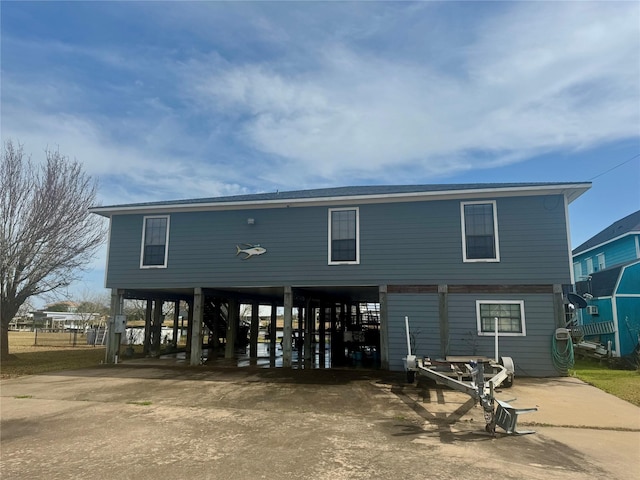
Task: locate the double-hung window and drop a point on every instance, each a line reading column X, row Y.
column 577, row 271
column 510, row 315
column 589, row 265
column 479, row 232
column 344, row 236
column 155, row 242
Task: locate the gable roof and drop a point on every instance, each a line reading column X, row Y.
column 600, row 284
column 628, row 224
column 360, row 194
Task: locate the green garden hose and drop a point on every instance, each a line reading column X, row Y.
column 562, row 360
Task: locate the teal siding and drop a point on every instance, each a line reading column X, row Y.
column 628, row 308
column 628, row 323
column 615, row 253
column 401, row 243
column 630, row 281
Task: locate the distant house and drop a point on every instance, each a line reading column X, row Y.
column 351, row 262
column 607, row 272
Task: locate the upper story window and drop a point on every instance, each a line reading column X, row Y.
column 510, row 315
column 155, row 242
column 344, row 235
column 577, row 271
column 600, row 260
column 479, row 232
column 589, row 265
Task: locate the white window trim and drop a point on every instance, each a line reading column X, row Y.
column 501, row 334
column 589, row 265
column 495, row 232
column 577, row 271
column 166, row 242
column 351, row 262
column 601, row 264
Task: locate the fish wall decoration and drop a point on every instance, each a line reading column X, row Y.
column 250, row 251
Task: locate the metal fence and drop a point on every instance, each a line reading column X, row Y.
column 59, row 337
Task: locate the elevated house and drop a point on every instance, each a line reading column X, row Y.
column 607, row 272
column 451, row 258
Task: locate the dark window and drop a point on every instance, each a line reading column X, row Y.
column 480, row 240
column 509, row 317
column 155, row 240
column 343, row 236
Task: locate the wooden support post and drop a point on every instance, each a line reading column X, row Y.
column 322, row 319
column 217, row 321
column 287, row 331
column 273, row 333
column 189, row 327
column 176, row 321
column 337, row 337
column 196, row 327
column 558, row 306
column 114, row 339
column 384, row 332
column 308, row 330
column 146, row 347
column 255, row 326
column 443, row 315
column 156, row 328
column 233, row 318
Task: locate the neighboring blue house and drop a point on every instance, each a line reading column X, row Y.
column 607, row 272
column 450, row 257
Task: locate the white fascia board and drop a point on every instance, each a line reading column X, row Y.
column 571, row 191
column 632, row 232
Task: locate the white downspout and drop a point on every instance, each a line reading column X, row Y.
column 614, row 312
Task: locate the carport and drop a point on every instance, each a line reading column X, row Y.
column 320, row 326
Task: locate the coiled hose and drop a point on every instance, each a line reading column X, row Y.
column 563, row 359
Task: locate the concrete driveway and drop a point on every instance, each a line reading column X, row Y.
column 150, row 421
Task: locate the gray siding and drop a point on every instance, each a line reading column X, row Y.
column 401, row 243
column 531, row 353
column 424, row 326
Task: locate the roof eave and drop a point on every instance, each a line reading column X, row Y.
column 571, row 190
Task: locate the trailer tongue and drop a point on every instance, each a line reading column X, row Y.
column 478, row 378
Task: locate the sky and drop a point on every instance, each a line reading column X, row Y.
column 173, row 100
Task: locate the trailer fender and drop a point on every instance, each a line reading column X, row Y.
column 507, row 363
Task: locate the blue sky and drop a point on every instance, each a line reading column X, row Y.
column 168, row 100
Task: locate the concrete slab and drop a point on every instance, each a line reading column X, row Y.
column 149, row 422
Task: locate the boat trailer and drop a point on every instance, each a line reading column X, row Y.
column 478, row 378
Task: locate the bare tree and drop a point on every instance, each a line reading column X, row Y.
column 46, row 232
column 92, row 307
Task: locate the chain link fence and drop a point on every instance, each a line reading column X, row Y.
column 59, row 337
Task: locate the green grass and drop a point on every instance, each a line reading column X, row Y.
column 47, row 360
column 624, row 384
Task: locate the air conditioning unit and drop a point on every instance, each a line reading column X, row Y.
column 592, row 309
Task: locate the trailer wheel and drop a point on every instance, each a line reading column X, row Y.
column 411, row 376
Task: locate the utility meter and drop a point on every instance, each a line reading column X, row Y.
column 120, row 325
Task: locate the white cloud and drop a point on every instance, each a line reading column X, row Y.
column 355, row 102
column 540, row 76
